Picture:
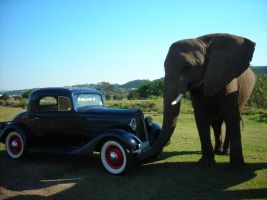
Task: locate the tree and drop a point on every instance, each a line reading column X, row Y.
column 151, row 88
column 5, row 96
column 26, row 94
column 158, row 87
column 145, row 90
column 118, row 97
column 134, row 94
column 107, row 89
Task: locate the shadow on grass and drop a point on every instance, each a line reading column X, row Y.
column 65, row 177
column 168, row 154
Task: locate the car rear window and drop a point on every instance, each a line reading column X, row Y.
column 50, row 103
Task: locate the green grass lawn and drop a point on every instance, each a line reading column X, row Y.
column 174, row 175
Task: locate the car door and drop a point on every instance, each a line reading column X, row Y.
column 54, row 124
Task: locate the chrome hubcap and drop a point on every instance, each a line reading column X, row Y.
column 113, row 156
column 14, row 144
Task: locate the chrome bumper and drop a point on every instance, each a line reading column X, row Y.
column 142, row 147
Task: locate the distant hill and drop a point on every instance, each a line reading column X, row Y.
column 83, row 86
column 128, row 85
column 132, row 84
column 13, row 92
column 262, row 70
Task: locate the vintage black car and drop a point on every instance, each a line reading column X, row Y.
column 74, row 121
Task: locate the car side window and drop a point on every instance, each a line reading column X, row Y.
column 48, row 103
column 64, row 104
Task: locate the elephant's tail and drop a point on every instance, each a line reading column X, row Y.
column 242, row 123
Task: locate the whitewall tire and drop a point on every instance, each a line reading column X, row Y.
column 114, row 157
column 15, row 145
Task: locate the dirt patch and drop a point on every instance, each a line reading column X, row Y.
column 43, row 175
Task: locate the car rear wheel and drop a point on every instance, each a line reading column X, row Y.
column 115, row 158
column 15, row 145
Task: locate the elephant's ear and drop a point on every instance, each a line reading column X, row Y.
column 227, row 57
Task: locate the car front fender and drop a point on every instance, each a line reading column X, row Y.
column 131, row 142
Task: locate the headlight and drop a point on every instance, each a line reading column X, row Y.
column 133, row 124
column 149, row 121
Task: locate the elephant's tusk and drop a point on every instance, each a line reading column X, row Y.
column 178, row 99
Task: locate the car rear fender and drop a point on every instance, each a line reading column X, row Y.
column 12, row 127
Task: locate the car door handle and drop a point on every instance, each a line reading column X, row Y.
column 36, row 118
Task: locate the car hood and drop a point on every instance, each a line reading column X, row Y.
column 108, row 112
column 100, row 119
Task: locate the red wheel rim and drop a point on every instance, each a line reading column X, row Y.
column 15, row 144
column 114, row 157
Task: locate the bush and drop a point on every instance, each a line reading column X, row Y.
column 259, row 117
column 17, row 97
column 258, row 98
column 21, row 103
column 249, row 110
column 263, row 118
column 148, row 106
column 151, row 106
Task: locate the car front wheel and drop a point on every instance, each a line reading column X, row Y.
column 115, row 158
column 15, row 145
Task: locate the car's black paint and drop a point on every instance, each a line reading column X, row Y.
column 13, row 126
column 78, row 130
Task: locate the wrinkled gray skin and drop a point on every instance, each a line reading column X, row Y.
column 208, row 67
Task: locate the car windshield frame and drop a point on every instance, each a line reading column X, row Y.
column 87, row 103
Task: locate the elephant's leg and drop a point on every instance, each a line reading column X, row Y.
column 203, row 125
column 216, row 125
column 226, row 144
column 231, row 116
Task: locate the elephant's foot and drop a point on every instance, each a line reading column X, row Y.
column 236, row 167
column 225, row 153
column 155, row 156
column 218, row 148
column 220, row 152
column 206, row 162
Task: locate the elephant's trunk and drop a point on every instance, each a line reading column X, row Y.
column 170, row 117
column 170, row 114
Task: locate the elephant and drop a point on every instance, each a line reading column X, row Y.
column 211, row 68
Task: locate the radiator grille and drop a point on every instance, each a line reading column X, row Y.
column 141, row 127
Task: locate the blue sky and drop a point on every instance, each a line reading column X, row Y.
column 50, row 43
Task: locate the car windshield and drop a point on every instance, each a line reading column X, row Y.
column 84, row 100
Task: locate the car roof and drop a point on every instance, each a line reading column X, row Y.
column 63, row 91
